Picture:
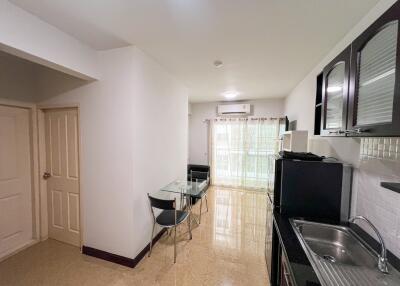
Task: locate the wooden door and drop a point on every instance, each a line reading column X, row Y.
column 15, row 180
column 62, row 164
column 286, row 278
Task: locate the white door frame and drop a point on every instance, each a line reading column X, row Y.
column 38, row 166
column 42, row 167
column 33, row 136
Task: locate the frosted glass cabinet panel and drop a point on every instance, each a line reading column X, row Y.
column 376, row 78
column 374, row 95
column 335, row 94
column 361, row 86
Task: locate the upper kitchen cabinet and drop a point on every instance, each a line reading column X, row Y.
column 374, row 92
column 335, row 95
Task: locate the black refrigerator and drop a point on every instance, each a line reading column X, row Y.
column 315, row 190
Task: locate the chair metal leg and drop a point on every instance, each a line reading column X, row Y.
column 151, row 239
column 206, row 201
column 190, row 229
column 175, row 245
column 201, row 204
column 181, row 202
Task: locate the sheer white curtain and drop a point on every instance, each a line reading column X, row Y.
column 243, row 150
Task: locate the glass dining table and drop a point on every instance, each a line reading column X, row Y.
column 185, row 189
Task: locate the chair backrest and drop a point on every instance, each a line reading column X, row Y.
column 161, row 203
column 200, row 168
column 199, row 175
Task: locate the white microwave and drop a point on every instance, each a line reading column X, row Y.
column 294, row 141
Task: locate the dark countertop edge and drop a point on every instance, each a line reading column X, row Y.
column 270, row 197
column 297, row 257
column 300, row 266
column 395, row 187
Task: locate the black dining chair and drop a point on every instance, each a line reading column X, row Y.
column 169, row 218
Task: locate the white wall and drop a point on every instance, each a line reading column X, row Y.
column 29, row 37
column 26, row 81
column 133, row 122
column 299, row 105
column 198, row 140
column 133, row 125
column 17, row 79
column 160, row 136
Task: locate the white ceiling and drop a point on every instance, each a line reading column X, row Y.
column 267, row 46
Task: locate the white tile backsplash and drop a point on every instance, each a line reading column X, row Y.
column 379, row 162
column 380, row 148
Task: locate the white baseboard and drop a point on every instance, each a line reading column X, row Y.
column 17, row 249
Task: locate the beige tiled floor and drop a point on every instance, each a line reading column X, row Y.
column 226, row 249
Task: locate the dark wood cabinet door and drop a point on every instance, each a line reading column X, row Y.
column 268, row 236
column 374, row 91
column 286, row 277
column 335, row 95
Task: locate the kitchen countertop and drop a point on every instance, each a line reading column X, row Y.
column 300, row 267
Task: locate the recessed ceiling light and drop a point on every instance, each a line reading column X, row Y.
column 230, row 94
column 218, row 63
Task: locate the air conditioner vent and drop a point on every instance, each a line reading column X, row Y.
column 232, row 109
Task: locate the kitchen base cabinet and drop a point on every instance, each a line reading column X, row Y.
column 268, row 235
column 279, row 274
column 286, row 278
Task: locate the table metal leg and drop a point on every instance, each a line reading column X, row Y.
column 189, row 203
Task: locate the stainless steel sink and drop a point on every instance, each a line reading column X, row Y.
column 340, row 257
column 335, row 243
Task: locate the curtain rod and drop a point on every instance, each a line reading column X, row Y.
column 242, row 118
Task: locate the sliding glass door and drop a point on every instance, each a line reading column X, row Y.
column 243, row 152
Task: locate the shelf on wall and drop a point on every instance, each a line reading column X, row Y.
column 395, row 187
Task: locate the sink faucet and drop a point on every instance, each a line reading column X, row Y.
column 382, row 260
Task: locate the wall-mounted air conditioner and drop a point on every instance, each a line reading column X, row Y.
column 234, row 109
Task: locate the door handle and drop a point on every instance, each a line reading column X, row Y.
column 46, row 175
